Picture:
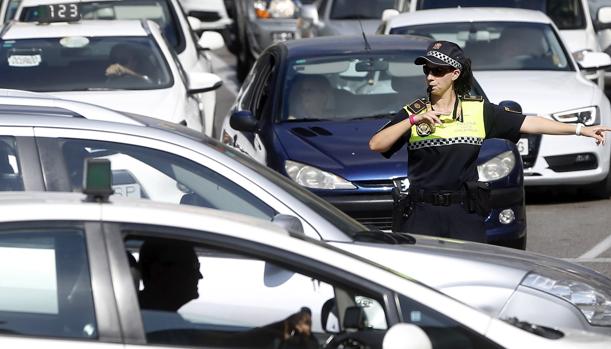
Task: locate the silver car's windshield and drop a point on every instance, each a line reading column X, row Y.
column 155, row 10
column 567, row 14
column 77, row 63
column 500, row 45
column 351, row 86
column 360, row 9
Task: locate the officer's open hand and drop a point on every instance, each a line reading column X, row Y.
column 596, row 132
column 431, row 117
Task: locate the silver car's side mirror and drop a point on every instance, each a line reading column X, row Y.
column 290, row 223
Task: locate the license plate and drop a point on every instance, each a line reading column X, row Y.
column 523, row 146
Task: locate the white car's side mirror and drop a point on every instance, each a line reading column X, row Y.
column 594, row 60
column 194, row 22
column 389, row 13
column 406, row 336
column 210, row 40
column 200, row 82
column 604, row 15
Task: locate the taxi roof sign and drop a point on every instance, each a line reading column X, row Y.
column 54, row 13
column 97, row 180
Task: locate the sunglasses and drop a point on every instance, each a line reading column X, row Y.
column 436, row 71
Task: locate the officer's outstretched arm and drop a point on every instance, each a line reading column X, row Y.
column 540, row 125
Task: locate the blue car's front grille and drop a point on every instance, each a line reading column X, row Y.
column 386, row 183
column 382, row 223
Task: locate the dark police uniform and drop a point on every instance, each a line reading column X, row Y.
column 444, row 161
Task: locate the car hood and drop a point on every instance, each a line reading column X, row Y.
column 538, row 92
column 340, row 147
column 160, row 104
column 450, row 263
column 350, row 27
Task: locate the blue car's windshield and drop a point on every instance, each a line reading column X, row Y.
column 566, row 14
column 351, row 86
column 500, row 45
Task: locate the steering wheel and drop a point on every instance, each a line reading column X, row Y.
column 346, row 340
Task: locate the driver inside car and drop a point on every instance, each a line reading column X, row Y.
column 127, row 61
column 170, row 272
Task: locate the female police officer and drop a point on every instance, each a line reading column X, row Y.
column 444, row 135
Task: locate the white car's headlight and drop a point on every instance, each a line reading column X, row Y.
column 275, row 8
column 497, row 167
column 312, row 177
column 591, row 298
column 588, row 116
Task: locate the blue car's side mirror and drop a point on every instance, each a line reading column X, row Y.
column 511, row 105
column 243, row 120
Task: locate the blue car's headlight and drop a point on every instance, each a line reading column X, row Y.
column 496, row 168
column 588, row 116
column 312, row 177
column 591, row 298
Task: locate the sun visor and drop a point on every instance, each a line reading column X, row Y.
column 321, row 68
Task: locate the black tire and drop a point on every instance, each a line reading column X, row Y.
column 600, row 190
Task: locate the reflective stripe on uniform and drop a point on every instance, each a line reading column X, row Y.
column 470, row 131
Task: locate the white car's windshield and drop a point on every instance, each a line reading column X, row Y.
column 500, row 45
column 567, row 14
column 78, row 63
column 155, row 10
column 360, row 9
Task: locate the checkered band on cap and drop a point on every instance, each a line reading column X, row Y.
column 451, row 61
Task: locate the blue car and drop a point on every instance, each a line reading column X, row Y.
column 308, row 108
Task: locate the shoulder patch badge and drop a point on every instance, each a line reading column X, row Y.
column 507, row 109
column 473, row 98
column 416, row 106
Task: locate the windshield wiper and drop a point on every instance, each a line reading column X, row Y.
column 384, row 237
column 542, row 331
column 377, row 116
column 305, row 120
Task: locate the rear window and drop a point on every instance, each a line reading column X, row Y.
column 360, row 9
column 566, row 14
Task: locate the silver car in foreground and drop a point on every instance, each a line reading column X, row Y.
column 45, row 150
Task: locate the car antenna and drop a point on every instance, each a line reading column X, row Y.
column 367, row 47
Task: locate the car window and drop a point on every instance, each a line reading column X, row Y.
column 359, row 9
column 566, row 14
column 500, row 45
column 46, row 288
column 347, row 87
column 10, row 173
column 159, row 11
column 156, row 175
column 198, row 295
column 79, row 63
column 440, row 329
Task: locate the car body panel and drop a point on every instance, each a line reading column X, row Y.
column 164, row 219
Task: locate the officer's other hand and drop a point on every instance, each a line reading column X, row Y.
column 596, row 132
column 431, row 117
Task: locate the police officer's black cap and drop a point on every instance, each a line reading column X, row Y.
column 443, row 53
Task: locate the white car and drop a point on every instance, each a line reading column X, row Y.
column 212, row 14
column 70, row 279
column 518, row 55
column 572, row 17
column 80, row 61
column 192, row 52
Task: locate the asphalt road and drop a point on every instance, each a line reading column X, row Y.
column 561, row 222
